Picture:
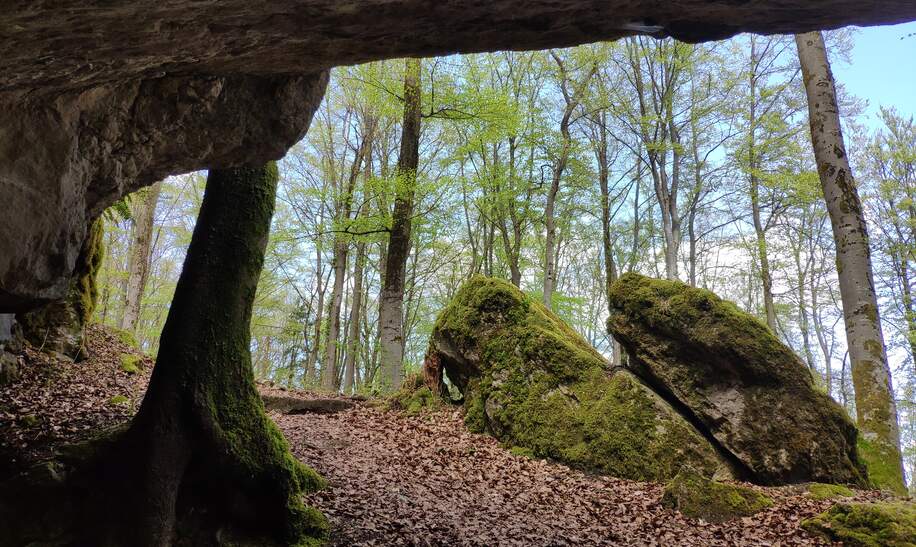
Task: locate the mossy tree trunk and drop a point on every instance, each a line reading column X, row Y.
column 875, row 407
column 140, row 249
column 391, row 301
column 202, row 461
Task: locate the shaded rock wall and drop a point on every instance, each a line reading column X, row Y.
column 61, row 164
column 100, row 98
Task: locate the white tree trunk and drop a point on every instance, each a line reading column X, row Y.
column 875, row 408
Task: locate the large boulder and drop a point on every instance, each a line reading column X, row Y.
column 733, row 377
column 532, row 382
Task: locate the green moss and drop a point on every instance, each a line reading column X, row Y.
column 883, row 464
column 543, row 388
column 708, row 354
column 885, row 524
column 119, row 400
column 87, row 269
column 29, row 420
column 698, row 497
column 126, row 337
column 821, row 491
column 131, row 363
column 521, row 451
column 413, row 397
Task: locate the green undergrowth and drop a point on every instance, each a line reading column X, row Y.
column 541, row 387
column 882, row 524
column 696, row 496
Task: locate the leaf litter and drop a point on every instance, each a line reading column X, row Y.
column 399, row 480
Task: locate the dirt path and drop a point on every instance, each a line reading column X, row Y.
column 399, row 480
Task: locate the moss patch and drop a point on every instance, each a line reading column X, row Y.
column 531, row 381
column 125, row 337
column 883, row 463
column 119, row 400
column 885, row 524
column 413, row 397
column 29, row 420
column 131, row 363
column 698, row 497
column 821, row 491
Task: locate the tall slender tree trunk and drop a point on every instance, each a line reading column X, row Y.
column 391, row 302
column 821, row 338
column 875, row 407
column 142, row 236
column 763, row 258
column 355, row 318
column 610, row 267
column 312, row 359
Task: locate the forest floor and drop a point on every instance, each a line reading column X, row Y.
column 397, row 479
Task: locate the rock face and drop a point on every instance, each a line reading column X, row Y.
column 64, row 161
column 98, row 99
column 730, row 375
column 58, row 327
column 532, row 382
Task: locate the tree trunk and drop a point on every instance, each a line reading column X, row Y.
column 875, row 407
column 610, row 267
column 201, row 460
column 355, row 311
column 391, row 302
column 140, row 249
column 312, row 359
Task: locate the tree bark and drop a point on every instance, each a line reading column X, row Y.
column 875, row 407
column 355, row 318
column 759, row 229
column 391, row 302
column 201, row 460
column 142, row 236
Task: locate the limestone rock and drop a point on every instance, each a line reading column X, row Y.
column 63, row 162
column 728, row 372
column 531, row 381
column 696, row 496
column 58, row 327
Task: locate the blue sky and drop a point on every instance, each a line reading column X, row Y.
column 883, row 68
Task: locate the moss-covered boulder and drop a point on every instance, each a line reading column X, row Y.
column 534, row 383
column 696, row 496
column 882, row 524
column 734, row 378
